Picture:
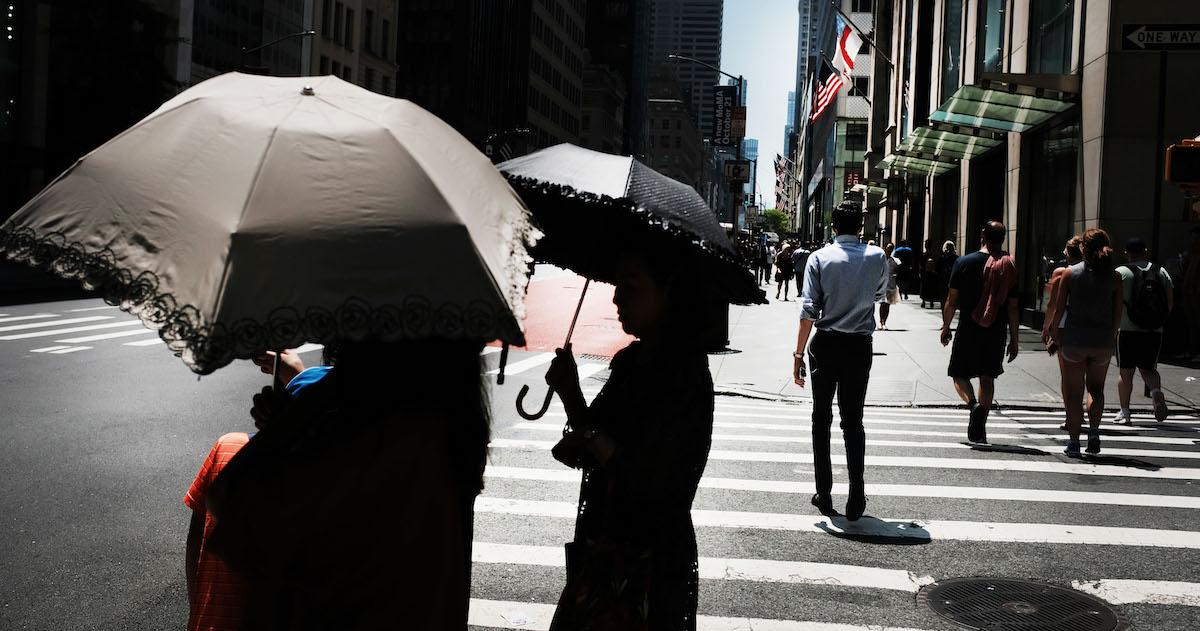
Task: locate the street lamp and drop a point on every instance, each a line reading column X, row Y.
column 247, row 51
column 741, row 83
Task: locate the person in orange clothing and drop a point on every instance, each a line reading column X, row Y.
column 216, row 594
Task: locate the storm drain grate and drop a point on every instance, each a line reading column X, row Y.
column 997, row 604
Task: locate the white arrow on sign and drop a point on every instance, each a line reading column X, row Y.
column 1141, row 36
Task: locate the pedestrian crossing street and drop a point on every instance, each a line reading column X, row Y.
column 1120, row 526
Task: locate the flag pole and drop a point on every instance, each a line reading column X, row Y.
column 866, row 38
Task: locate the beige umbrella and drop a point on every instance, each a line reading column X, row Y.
column 252, row 213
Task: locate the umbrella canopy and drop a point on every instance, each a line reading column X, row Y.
column 589, row 203
column 252, row 213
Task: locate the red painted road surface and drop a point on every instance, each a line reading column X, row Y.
column 549, row 305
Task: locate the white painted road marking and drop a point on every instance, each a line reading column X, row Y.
column 587, row 370
column 755, row 570
column 145, row 342
column 890, row 527
column 507, row 614
column 93, row 327
column 525, row 364
column 48, row 349
column 892, row 490
column 1125, row 591
column 975, row 464
column 70, row 349
column 106, row 336
column 92, row 309
column 488, row 350
column 28, row 317
column 40, row 325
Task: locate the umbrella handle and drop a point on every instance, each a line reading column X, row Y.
column 534, row 415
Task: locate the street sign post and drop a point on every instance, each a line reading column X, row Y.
column 1160, row 37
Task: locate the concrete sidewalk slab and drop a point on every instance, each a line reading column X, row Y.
column 909, row 366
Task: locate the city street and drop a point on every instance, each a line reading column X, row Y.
column 102, row 431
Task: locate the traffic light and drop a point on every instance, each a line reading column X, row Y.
column 1183, row 164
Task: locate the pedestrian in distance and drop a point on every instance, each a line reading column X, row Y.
column 1072, row 254
column 893, row 290
column 931, row 292
column 762, row 263
column 769, row 263
column 983, row 292
column 905, row 274
column 945, row 265
column 1148, row 297
column 353, row 507
column 1091, row 302
column 842, row 283
column 800, row 255
column 784, row 272
column 642, row 445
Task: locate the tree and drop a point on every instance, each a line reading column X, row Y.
column 774, row 220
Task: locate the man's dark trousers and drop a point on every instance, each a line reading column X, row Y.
column 840, row 363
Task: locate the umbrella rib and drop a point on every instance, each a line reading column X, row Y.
column 262, row 159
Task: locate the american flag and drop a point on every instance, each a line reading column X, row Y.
column 827, row 90
column 780, row 176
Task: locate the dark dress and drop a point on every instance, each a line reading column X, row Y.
column 659, row 411
column 977, row 351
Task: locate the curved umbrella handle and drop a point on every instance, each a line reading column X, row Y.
column 535, row 415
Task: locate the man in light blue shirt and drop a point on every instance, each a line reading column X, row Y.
column 842, row 283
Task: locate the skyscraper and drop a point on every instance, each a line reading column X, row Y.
column 790, row 127
column 691, row 28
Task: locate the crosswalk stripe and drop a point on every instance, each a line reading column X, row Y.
column 507, row 614
column 760, row 438
column 38, row 316
column 1164, row 440
column 105, row 307
column 975, row 464
column 488, row 350
column 889, row 528
column 70, row 349
column 106, row 336
column 754, row 570
column 48, row 349
column 1127, row 591
column 76, row 329
column 145, row 342
column 39, row 325
column 987, row 493
column 525, row 364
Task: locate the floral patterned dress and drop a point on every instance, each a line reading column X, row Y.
column 659, row 411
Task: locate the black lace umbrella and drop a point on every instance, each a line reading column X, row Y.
column 589, row 203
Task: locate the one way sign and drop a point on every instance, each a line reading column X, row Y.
column 1161, row 37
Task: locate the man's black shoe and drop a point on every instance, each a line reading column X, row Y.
column 824, row 503
column 855, row 507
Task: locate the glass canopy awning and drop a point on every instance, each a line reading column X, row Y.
column 974, row 121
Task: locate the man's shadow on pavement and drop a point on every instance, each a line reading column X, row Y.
column 870, row 529
column 1006, row 449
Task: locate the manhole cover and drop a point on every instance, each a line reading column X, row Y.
column 997, row 604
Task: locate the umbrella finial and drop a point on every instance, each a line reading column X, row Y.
column 307, row 90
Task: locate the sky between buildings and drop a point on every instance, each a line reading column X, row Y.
column 759, row 42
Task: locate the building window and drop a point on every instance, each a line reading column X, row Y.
column 337, row 68
column 348, row 74
column 349, row 43
column 327, row 19
column 324, row 65
column 951, row 49
column 860, row 6
column 387, row 85
column 856, row 137
column 385, row 39
column 861, row 85
column 1050, row 26
column 989, row 43
column 338, row 12
column 369, row 79
column 368, row 39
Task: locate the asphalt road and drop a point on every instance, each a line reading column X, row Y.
column 98, row 445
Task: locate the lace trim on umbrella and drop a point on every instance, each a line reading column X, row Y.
column 750, row 294
column 205, row 346
column 518, row 234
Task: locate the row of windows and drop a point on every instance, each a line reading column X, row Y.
column 544, row 69
column 664, row 142
column 336, row 69
column 550, row 108
column 554, row 43
column 381, row 47
column 555, row 9
column 337, row 23
column 666, row 123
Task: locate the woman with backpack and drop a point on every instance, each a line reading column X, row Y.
column 1090, row 299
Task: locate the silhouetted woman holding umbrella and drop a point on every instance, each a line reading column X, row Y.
column 643, row 442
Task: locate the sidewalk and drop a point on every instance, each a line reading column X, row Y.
column 910, row 364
